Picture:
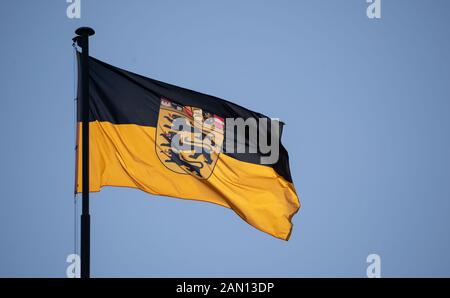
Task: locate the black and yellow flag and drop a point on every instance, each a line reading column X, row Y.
column 133, row 123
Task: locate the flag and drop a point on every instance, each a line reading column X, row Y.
column 170, row 141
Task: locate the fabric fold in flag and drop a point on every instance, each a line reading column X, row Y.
column 171, row 141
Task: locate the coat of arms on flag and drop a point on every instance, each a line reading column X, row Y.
column 188, row 139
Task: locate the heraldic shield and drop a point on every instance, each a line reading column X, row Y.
column 188, row 139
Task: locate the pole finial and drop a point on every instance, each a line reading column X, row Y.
column 85, row 31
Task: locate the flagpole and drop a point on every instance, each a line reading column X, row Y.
column 82, row 39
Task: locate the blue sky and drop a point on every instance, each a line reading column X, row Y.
column 365, row 102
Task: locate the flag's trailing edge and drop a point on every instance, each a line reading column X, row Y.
column 130, row 132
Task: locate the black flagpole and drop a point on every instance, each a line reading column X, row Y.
column 82, row 39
